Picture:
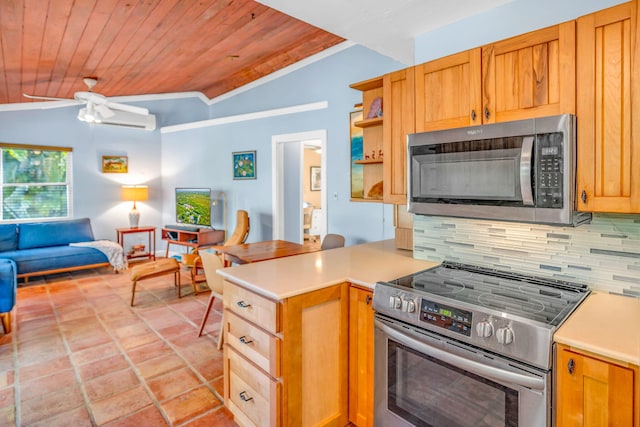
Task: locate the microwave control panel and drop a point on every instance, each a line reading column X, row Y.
column 549, row 170
column 446, row 317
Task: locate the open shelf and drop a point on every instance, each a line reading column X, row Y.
column 369, row 122
column 368, row 161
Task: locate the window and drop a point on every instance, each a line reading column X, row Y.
column 36, row 182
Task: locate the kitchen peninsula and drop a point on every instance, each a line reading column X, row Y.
column 298, row 332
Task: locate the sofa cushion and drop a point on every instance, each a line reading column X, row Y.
column 54, row 233
column 54, row 258
column 8, row 237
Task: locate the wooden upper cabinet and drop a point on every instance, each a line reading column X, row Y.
column 448, row 92
column 531, row 75
column 399, row 120
column 608, row 79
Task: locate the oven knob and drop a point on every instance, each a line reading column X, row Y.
column 504, row 335
column 411, row 306
column 484, row 329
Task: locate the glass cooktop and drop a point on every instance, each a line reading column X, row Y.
column 544, row 300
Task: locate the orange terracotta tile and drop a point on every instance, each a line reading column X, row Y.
column 138, row 340
column 44, row 368
column 45, row 385
column 120, row 405
column 46, row 331
column 159, row 365
column 102, row 367
column 7, row 376
column 75, row 417
column 110, row 384
column 87, row 342
column 7, row 397
column 189, row 405
column 202, row 350
column 210, row 369
column 8, row 416
column 35, row 351
column 51, row 404
column 173, row 383
column 94, row 353
column 148, row 351
column 219, row 417
column 218, row 386
column 148, row 417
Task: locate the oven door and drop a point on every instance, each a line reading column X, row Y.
column 423, row 379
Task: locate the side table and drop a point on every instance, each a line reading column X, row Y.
column 150, row 251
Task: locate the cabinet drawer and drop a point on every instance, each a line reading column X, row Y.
column 262, row 348
column 251, row 306
column 252, row 392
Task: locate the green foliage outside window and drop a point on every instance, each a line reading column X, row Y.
column 35, row 183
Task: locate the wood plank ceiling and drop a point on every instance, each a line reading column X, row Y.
column 137, row 47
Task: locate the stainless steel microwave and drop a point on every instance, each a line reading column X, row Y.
column 514, row 171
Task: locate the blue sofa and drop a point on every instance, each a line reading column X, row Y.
column 8, row 284
column 39, row 248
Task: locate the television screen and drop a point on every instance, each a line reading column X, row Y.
column 193, row 206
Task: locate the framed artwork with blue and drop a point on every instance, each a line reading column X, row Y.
column 244, row 165
column 357, row 171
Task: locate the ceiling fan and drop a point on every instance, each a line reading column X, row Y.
column 99, row 109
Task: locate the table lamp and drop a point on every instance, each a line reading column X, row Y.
column 134, row 193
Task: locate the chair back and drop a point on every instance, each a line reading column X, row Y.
column 241, row 231
column 210, row 263
column 332, row 241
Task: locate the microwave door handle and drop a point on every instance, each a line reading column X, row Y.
column 461, row 362
column 526, row 157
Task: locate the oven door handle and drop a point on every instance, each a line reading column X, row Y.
column 526, row 157
column 461, row 362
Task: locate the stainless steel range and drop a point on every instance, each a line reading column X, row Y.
column 459, row 345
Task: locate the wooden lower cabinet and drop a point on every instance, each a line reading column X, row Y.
column 593, row 391
column 360, row 356
column 286, row 362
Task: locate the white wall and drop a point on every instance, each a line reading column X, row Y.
column 511, row 19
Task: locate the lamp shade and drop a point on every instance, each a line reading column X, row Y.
column 135, row 193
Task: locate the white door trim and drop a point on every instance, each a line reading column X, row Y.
column 278, row 169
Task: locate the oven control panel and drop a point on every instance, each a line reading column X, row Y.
column 443, row 316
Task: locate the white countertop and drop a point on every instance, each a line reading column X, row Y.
column 605, row 324
column 363, row 265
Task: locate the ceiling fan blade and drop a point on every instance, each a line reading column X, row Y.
column 128, row 108
column 47, row 98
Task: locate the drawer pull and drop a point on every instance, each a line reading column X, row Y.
column 243, row 304
column 571, row 366
column 244, row 397
column 243, row 339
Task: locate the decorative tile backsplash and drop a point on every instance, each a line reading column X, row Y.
column 605, row 254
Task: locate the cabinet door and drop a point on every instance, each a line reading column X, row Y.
column 592, row 392
column 532, row 75
column 315, row 358
column 608, row 99
column 448, row 92
column 360, row 357
column 399, row 120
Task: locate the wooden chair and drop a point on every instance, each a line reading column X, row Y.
column 210, row 263
column 306, row 223
column 240, row 233
column 332, row 241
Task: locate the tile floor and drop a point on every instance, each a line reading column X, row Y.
column 79, row 355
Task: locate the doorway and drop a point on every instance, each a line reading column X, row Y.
column 290, row 180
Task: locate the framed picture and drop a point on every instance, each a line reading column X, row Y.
column 244, row 165
column 315, row 178
column 115, row 164
column 357, row 170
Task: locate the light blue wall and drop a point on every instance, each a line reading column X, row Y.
column 97, row 195
column 202, row 157
column 512, row 19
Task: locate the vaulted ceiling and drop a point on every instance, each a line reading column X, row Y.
column 137, row 47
